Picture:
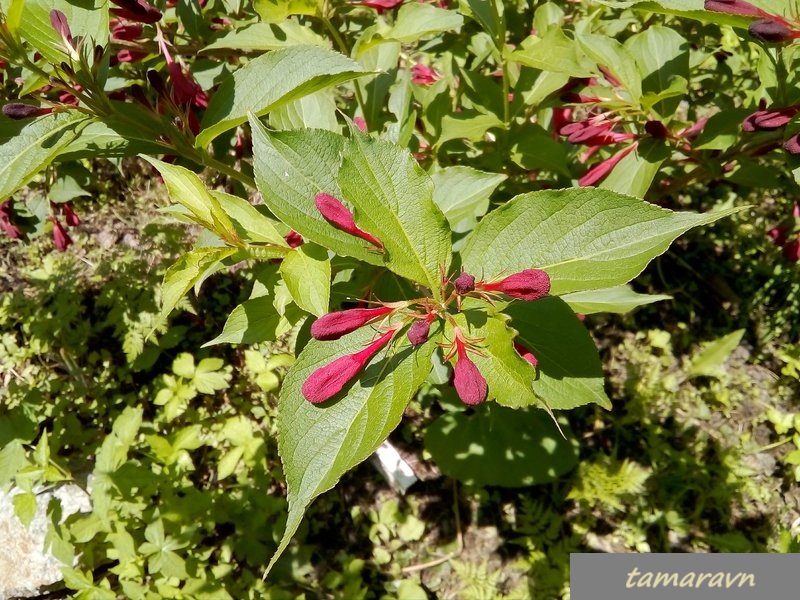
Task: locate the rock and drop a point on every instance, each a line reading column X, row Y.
column 25, row 566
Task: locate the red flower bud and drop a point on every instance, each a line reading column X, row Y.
column 127, row 56
column 768, row 120
column 59, row 22
column 792, row 145
column 771, row 31
column 338, row 215
column 60, row 236
column 6, row 224
column 70, row 216
column 467, row 379
column 139, row 11
column 126, row 31
column 602, row 169
column 464, row 283
column 379, row 5
column 324, row 383
column 791, row 251
column 18, row 110
column 423, row 75
column 530, row 284
column 294, row 239
column 734, row 7
column 361, row 123
column 336, row 324
column 419, row 330
column 526, row 354
column 657, row 129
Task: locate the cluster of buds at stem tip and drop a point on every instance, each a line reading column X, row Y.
column 338, row 215
column 324, row 383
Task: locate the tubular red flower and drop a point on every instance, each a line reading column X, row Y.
column 602, row 169
column 529, row 284
column 424, row 75
column 6, row 224
column 338, row 215
column 70, row 216
column 60, row 236
column 336, row 324
column 792, row 145
column 467, row 379
column 18, row 110
column 594, row 133
column 59, row 22
column 139, row 11
column 735, row 7
column 526, row 354
column 324, row 383
column 768, row 120
column 379, row 5
column 464, row 283
column 126, row 31
column 771, row 31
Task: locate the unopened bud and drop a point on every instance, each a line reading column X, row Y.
column 334, row 325
column 770, row 31
column 418, row 332
column 464, row 283
column 338, row 215
column 529, row 284
column 18, row 110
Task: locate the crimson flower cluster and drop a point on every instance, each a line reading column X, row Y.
column 415, row 317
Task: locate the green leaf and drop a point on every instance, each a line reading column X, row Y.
column 114, row 451
column 692, row 9
column 663, row 58
column 315, row 111
column 508, row 376
column 710, row 361
column 415, row 21
column 85, row 17
column 469, row 125
column 569, row 370
column 188, row 190
column 496, row 445
column 612, row 55
column 27, row 147
column 535, row 149
column 291, row 168
column 393, row 198
column 292, row 73
column 553, row 52
column 25, row 507
column 276, row 11
column 463, row 193
column 318, row 444
column 249, row 223
column 618, row 299
column 12, row 459
column 307, row 273
column 634, row 174
column 255, row 320
column 267, row 36
column 485, row 12
column 186, row 272
column 584, row 238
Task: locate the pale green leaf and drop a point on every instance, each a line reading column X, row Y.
column 416, row 20
column 291, row 72
column 314, row 111
column 618, row 299
column 710, row 361
column 25, row 507
column 584, row 238
column 249, row 223
column 307, row 273
column 463, row 193
column 267, row 36
column 27, row 147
